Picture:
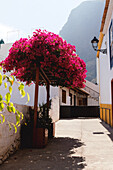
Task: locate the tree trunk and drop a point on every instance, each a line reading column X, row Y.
column 35, row 106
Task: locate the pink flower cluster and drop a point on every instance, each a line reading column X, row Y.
column 48, row 51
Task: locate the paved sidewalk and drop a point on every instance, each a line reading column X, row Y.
column 79, row 144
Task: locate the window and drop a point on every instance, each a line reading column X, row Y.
column 111, row 44
column 85, row 101
column 63, row 96
column 80, row 102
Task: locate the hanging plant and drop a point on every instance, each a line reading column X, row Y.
column 8, row 82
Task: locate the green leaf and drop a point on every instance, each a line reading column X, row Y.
column 5, row 84
column 9, row 109
column 7, row 78
column 17, row 119
column 13, row 78
column 28, row 98
column 11, row 104
column 18, row 125
column 4, row 76
column 4, row 101
column 10, row 126
column 13, row 109
column 10, row 89
column 23, row 93
column 0, row 97
column 0, row 79
column 21, row 87
column 0, row 68
column 20, row 114
column 10, row 81
column 3, row 118
column 14, row 127
column 1, row 106
column 8, row 97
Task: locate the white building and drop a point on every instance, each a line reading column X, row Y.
column 105, row 64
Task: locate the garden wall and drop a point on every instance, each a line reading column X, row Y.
column 9, row 140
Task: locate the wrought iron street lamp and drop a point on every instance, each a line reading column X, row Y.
column 94, row 42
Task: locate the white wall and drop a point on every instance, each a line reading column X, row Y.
column 55, row 109
column 106, row 74
column 4, row 50
column 16, row 97
column 97, row 69
column 9, row 140
column 54, row 92
column 93, row 90
column 92, row 102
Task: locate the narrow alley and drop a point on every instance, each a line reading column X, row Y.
column 79, row 144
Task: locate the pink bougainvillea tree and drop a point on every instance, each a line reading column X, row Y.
column 48, row 51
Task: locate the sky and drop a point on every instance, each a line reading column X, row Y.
column 21, row 17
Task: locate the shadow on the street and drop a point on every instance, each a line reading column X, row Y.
column 59, row 154
column 64, row 151
column 110, row 129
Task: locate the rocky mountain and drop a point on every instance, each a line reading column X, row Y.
column 82, row 25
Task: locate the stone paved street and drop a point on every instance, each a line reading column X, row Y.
column 79, row 144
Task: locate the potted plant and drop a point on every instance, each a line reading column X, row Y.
column 44, row 128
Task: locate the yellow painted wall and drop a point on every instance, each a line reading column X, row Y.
column 106, row 114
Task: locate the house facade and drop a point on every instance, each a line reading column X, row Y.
column 88, row 96
column 105, row 64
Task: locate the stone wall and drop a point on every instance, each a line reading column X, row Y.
column 9, row 140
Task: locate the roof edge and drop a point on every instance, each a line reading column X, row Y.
column 102, row 26
column 104, row 15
